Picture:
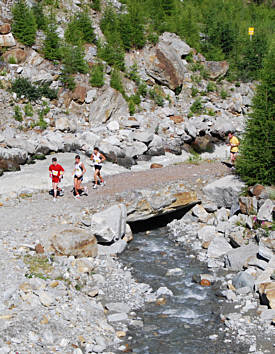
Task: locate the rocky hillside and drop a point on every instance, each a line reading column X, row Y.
column 169, row 98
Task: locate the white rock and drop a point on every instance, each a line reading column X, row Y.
column 91, row 94
column 113, row 125
column 218, row 247
column 265, row 211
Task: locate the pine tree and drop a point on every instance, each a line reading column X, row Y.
column 97, row 75
column 80, row 29
column 24, row 26
column 51, row 46
column 73, row 60
column 257, row 153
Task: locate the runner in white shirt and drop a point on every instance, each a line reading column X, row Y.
column 97, row 159
column 78, row 172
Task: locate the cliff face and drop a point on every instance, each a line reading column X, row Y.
column 170, row 99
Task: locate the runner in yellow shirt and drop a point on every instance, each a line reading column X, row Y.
column 234, row 143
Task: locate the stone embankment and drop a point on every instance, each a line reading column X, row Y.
column 236, row 233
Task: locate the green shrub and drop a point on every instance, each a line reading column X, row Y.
column 67, row 80
column 194, row 91
column 255, row 164
column 196, row 107
column 116, row 81
column 155, row 94
column 131, row 107
column 136, row 98
column 112, row 52
column 51, row 46
column 97, row 75
column 73, row 60
column 132, row 74
column 80, row 29
column 24, row 87
column 23, row 26
column 142, row 89
column 40, row 18
column 210, row 112
column 28, row 110
column 18, row 114
column 223, row 94
column 96, row 5
column 196, row 67
column 211, row 87
column 12, row 60
column 196, row 78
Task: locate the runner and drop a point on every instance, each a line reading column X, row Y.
column 97, row 159
column 234, row 143
column 78, row 172
column 56, row 173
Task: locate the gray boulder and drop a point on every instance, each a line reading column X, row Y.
column 110, row 224
column 224, row 190
column 164, row 62
column 66, row 124
column 144, row 137
column 243, row 279
column 137, row 148
column 238, row 257
column 200, row 213
column 109, row 106
column 75, row 242
column 265, row 211
column 218, row 247
column 216, row 69
column 115, row 248
column 22, row 144
column 207, row 233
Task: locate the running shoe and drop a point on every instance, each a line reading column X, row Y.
column 95, row 186
column 77, row 196
column 103, row 183
column 54, row 199
column 86, row 190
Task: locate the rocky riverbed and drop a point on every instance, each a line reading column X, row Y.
column 61, row 290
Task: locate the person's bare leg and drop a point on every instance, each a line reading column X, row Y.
column 54, row 189
column 76, row 186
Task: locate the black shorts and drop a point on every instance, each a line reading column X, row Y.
column 79, row 178
column 97, row 167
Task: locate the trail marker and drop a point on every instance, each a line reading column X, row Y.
column 251, row 32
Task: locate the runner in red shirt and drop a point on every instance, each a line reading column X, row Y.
column 56, row 173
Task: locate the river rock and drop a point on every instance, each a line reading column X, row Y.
column 243, row 279
column 109, row 105
column 163, row 290
column 110, row 224
column 164, row 62
column 265, row 211
column 218, row 247
column 224, row 190
column 115, row 248
column 119, row 307
column 75, row 242
column 207, row 233
column 117, row 317
column 238, row 257
column 200, row 213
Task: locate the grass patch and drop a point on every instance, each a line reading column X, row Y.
column 39, row 266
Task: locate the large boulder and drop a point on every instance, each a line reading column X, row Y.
column 216, row 69
column 265, row 211
column 16, row 155
column 164, row 62
column 18, row 54
column 66, row 124
column 218, row 247
column 110, row 224
column 75, row 242
column 224, row 190
column 21, row 143
column 109, row 106
column 79, row 94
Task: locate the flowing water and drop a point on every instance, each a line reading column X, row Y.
column 189, row 318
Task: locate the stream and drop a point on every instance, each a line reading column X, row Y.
column 189, row 321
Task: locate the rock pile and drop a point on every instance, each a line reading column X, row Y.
column 242, row 240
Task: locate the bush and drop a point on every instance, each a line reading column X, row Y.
column 12, row 60
column 224, row 94
column 24, row 87
column 67, row 80
column 196, row 107
column 18, row 114
column 80, row 29
column 131, row 107
column 96, row 5
column 40, row 18
column 73, row 60
column 194, row 91
column 211, row 87
column 28, row 110
column 97, row 75
column 112, row 52
column 51, row 45
column 255, row 163
column 142, row 89
column 116, row 82
column 155, row 94
column 24, row 26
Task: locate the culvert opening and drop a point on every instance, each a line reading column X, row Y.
column 159, row 221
